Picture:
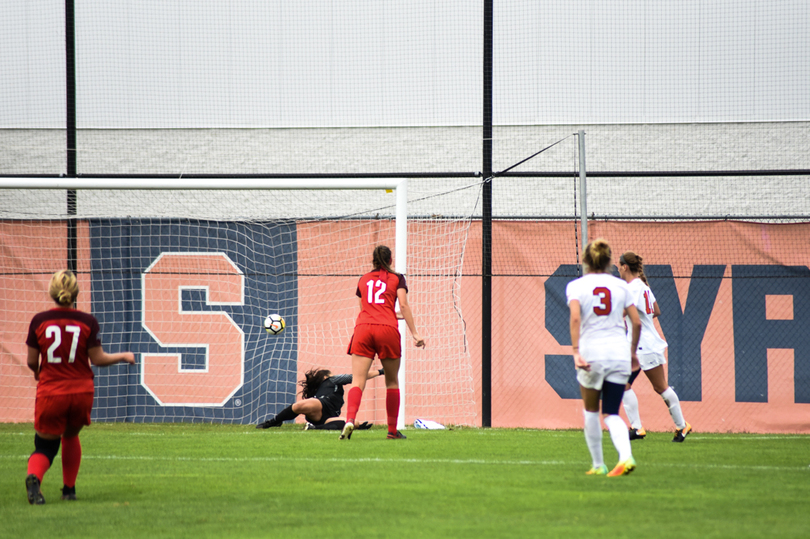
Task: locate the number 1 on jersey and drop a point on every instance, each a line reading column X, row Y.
column 647, row 306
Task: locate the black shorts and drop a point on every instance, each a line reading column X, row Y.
column 330, row 407
column 612, row 394
column 633, row 376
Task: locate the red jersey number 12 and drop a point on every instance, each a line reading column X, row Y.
column 374, row 297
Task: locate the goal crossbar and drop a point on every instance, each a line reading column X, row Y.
column 59, row 182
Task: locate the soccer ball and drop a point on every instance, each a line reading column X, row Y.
column 274, row 324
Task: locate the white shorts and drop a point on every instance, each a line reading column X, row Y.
column 650, row 361
column 616, row 371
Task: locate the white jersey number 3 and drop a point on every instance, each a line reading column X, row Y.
column 604, row 306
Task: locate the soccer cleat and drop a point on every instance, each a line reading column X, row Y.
column 637, row 434
column 68, row 493
column 309, row 426
column 623, row 468
column 270, row 423
column 396, row 436
column 680, row 434
column 35, row 496
column 346, row 433
column 597, row 470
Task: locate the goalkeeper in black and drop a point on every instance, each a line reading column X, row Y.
column 322, row 401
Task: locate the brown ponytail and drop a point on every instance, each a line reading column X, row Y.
column 381, row 259
column 634, row 263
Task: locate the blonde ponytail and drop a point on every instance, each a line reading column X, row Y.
column 64, row 288
column 597, row 256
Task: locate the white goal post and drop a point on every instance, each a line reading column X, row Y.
column 331, row 216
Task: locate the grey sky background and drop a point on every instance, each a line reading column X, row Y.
column 209, row 63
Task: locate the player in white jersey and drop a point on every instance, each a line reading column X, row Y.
column 650, row 352
column 598, row 303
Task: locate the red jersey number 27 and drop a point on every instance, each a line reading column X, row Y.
column 55, row 333
column 604, row 306
column 375, row 291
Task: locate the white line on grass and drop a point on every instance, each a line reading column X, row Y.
column 743, row 437
column 416, row 461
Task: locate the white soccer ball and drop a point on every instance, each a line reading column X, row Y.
column 274, row 324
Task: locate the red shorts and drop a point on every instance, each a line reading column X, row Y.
column 53, row 414
column 370, row 339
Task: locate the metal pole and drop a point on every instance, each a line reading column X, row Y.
column 70, row 102
column 486, row 224
column 583, row 191
column 401, row 266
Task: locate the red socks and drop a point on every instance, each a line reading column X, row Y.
column 392, row 409
column 38, row 464
column 353, row 403
column 71, row 460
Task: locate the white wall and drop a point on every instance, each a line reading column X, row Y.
column 355, row 63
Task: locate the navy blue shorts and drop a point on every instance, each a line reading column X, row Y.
column 612, row 394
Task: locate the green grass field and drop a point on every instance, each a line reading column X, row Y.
column 199, row 480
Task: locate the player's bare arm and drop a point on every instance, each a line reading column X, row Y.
column 407, row 314
column 100, row 358
column 579, row 361
column 632, row 313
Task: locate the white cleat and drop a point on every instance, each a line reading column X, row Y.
column 346, row 433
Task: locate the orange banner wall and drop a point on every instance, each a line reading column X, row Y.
column 31, row 253
column 330, row 261
column 438, row 379
column 528, row 348
column 525, row 254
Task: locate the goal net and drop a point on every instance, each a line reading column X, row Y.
column 184, row 278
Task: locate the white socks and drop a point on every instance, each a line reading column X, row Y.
column 674, row 405
column 630, row 403
column 593, row 437
column 619, row 436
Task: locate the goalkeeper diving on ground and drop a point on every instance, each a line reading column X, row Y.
column 322, row 402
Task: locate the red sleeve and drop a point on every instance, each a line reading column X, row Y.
column 93, row 339
column 402, row 283
column 32, row 340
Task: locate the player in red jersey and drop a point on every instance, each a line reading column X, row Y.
column 67, row 341
column 376, row 332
